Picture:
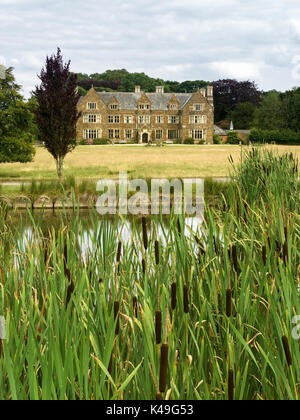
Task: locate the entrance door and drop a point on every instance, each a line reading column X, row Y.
column 145, row 138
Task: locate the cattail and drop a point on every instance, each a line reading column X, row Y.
column 145, row 236
column 158, row 323
column 173, row 296
column 116, row 316
column 287, row 350
column 144, row 266
column 163, row 368
column 285, row 251
column 179, row 227
column 186, row 299
column 228, row 302
column 70, row 291
column 159, row 397
column 234, row 258
column 230, row 385
column 264, row 254
column 135, row 305
column 157, row 252
column 119, row 251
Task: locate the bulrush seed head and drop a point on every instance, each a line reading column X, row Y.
column 144, row 266
column 119, row 252
column 135, row 305
column 158, row 326
column 173, row 296
column 163, row 377
column 145, row 235
column 186, row 299
column 287, row 350
column 228, row 302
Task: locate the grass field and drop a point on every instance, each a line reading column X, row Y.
column 139, row 161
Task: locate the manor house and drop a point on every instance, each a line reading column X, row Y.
column 147, row 117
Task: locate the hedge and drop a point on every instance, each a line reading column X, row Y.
column 274, row 136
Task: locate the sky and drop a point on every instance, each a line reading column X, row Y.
column 257, row 40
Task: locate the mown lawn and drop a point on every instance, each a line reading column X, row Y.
column 139, row 161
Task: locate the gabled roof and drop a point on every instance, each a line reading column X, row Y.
column 159, row 101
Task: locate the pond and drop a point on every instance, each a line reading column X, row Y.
column 26, row 222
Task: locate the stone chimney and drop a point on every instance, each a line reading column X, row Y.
column 160, row 89
column 138, row 89
column 203, row 92
column 210, row 91
column 210, row 95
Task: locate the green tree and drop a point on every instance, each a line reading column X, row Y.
column 17, row 129
column 269, row 115
column 242, row 115
column 233, row 138
column 56, row 112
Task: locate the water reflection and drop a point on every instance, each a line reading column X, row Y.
column 90, row 234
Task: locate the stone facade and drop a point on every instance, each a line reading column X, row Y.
column 147, row 117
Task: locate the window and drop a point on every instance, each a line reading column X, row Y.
column 91, row 105
column 110, row 134
column 92, row 134
column 117, row 134
column 173, row 120
column 197, row 134
column 114, row 106
column 173, row 106
column 198, row 107
column 114, row 119
column 159, row 134
column 159, row 119
column 141, row 119
column 128, row 119
column 92, row 118
column 198, row 119
column 173, row 134
column 144, row 106
column 147, row 119
column 128, row 134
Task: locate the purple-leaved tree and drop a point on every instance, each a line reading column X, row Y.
column 57, row 113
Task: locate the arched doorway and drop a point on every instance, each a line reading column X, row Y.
column 145, row 138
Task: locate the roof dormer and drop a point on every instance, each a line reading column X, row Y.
column 144, row 103
column 113, row 104
column 173, row 104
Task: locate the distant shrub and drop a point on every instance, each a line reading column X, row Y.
column 233, row 138
column 178, row 141
column 189, row 140
column 95, row 142
column 101, row 142
column 201, row 142
column 217, row 139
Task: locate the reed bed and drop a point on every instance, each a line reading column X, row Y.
column 188, row 315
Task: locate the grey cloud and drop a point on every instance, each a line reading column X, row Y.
column 173, row 39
